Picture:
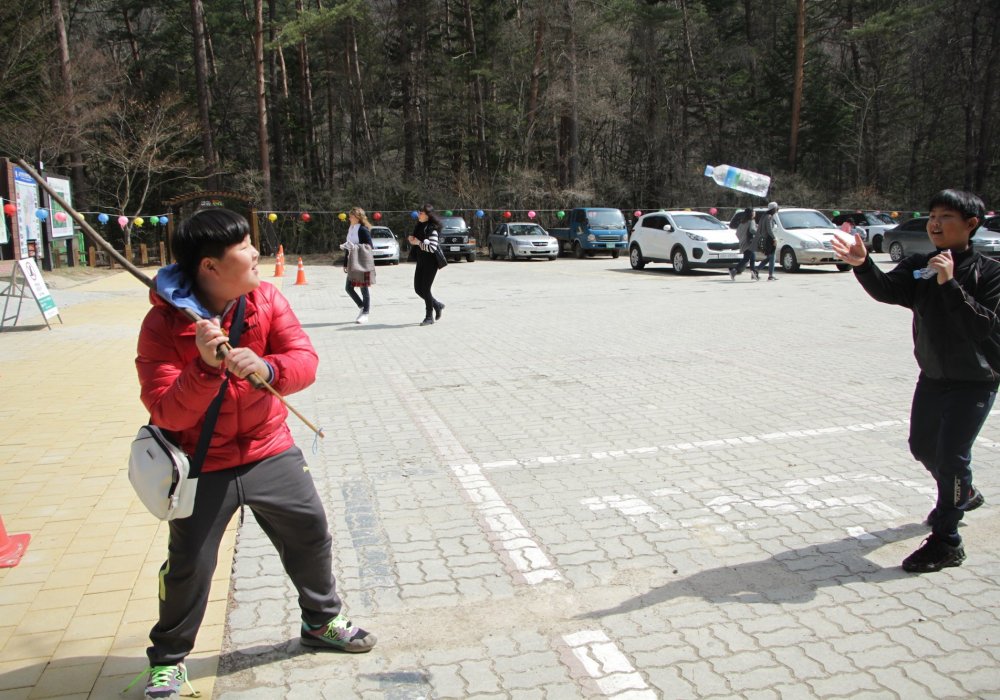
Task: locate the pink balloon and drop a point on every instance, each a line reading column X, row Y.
column 713, row 211
column 531, row 214
column 123, row 221
column 637, row 213
column 60, row 216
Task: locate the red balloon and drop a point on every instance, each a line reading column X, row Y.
column 507, row 215
column 305, row 216
column 9, row 209
column 713, row 211
column 377, row 216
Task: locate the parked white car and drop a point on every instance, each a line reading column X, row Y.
column 803, row 237
column 385, row 247
column 522, row 240
column 685, row 239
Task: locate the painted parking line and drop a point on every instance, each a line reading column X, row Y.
column 510, row 538
column 605, row 664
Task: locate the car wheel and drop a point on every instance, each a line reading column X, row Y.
column 877, row 244
column 553, row 257
column 510, row 252
column 615, row 253
column 789, row 263
column 843, row 267
column 680, row 261
column 493, row 255
column 635, row 257
column 896, row 251
column 578, row 250
column 470, row 257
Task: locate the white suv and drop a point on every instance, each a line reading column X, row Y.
column 685, row 239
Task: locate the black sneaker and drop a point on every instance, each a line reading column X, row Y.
column 756, row 275
column 438, row 308
column 427, row 321
column 975, row 501
column 732, row 274
column 933, row 555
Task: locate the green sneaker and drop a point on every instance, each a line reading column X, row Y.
column 338, row 634
column 166, row 682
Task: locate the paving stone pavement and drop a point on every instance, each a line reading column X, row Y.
column 587, row 481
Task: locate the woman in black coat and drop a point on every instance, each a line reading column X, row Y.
column 425, row 237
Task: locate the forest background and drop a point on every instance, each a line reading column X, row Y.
column 318, row 105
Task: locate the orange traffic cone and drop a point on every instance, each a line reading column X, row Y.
column 11, row 547
column 300, row 277
column 279, row 266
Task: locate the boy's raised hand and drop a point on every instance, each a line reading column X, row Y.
column 853, row 254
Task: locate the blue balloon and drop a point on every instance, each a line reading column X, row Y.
column 42, row 214
column 480, row 213
column 103, row 218
column 414, row 214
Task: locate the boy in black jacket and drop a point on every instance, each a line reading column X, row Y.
column 955, row 294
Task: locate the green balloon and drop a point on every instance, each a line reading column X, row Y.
column 916, row 213
column 560, row 214
column 448, row 213
column 836, row 212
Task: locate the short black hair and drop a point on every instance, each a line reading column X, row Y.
column 206, row 234
column 967, row 204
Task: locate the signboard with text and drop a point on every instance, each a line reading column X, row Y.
column 26, row 200
column 64, row 228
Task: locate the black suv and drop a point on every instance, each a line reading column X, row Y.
column 455, row 239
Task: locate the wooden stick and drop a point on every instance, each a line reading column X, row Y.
column 224, row 349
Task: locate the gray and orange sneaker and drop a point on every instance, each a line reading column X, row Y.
column 338, row 634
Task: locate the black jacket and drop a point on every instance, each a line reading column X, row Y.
column 956, row 330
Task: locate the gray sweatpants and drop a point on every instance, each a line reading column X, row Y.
column 280, row 492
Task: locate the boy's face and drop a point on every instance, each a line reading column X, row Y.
column 235, row 273
column 947, row 228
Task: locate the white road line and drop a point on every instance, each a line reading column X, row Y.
column 511, row 538
column 609, row 668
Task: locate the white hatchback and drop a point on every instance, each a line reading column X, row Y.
column 685, row 239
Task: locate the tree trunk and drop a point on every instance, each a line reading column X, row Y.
column 277, row 106
column 536, row 78
column 799, row 69
column 358, row 92
column 477, row 89
column 989, row 90
column 133, row 45
column 204, row 97
column 306, row 110
column 569, row 126
column 66, row 73
column 265, row 156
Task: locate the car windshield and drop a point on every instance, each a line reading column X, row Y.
column 527, row 230
column 453, row 223
column 792, row 220
column 605, row 219
column 879, row 217
column 698, row 222
column 381, row 233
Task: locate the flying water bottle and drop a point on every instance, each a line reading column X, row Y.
column 739, row 179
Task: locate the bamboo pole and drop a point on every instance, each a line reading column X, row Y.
column 224, row 349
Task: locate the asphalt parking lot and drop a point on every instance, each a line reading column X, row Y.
column 587, row 481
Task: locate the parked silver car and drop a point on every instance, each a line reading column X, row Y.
column 522, row 240
column 911, row 237
column 385, row 247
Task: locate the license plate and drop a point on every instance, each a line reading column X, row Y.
column 455, row 248
column 609, row 245
column 731, row 256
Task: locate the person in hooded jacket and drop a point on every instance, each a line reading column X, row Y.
column 954, row 293
column 252, row 459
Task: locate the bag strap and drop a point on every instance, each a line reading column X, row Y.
column 235, row 331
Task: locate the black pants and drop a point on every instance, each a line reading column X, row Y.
column 282, row 496
column 423, row 279
column 748, row 257
column 945, row 419
column 364, row 301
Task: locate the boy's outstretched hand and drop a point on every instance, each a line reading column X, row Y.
column 853, row 254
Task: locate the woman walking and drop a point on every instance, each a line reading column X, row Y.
column 425, row 236
column 358, row 262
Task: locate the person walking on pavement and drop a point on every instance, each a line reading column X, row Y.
column 766, row 240
column 425, row 237
column 252, row 459
column 359, row 264
column 954, row 293
column 746, row 232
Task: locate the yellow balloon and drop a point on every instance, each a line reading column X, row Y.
column 272, row 217
column 342, row 216
column 138, row 221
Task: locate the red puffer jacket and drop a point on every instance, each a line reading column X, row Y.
column 177, row 386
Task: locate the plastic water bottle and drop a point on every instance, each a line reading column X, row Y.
column 739, row 179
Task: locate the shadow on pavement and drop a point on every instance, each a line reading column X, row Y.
column 789, row 577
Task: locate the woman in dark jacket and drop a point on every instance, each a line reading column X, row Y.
column 425, row 237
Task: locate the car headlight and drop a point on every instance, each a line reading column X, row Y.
column 695, row 236
column 522, row 244
column 591, row 237
column 808, row 244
